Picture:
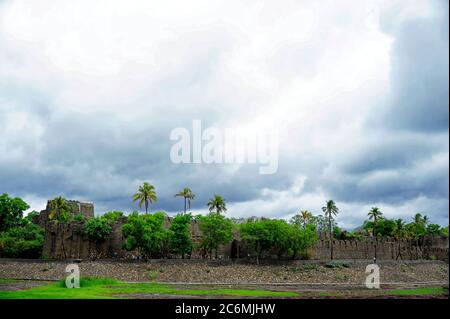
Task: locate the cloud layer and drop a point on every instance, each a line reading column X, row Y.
column 89, row 94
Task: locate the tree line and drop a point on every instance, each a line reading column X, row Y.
column 149, row 236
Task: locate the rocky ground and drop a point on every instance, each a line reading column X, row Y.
column 201, row 271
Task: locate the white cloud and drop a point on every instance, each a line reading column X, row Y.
column 100, row 82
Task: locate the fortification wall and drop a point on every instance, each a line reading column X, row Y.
column 77, row 245
column 69, row 241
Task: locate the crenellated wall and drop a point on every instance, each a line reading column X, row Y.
column 77, row 245
column 69, row 241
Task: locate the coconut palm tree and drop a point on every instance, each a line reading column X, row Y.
column 145, row 195
column 58, row 214
column 217, row 204
column 375, row 214
column 330, row 210
column 399, row 232
column 418, row 219
column 188, row 195
column 305, row 217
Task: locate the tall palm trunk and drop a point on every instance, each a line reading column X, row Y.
column 185, row 205
column 374, row 237
column 62, row 241
column 331, row 237
column 146, row 207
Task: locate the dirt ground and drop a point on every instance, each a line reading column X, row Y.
column 306, row 274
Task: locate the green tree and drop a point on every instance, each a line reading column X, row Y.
column 303, row 218
column 98, row 229
column 217, row 204
column 145, row 195
column 257, row 236
column 11, row 211
column 375, row 214
column 180, row 235
column 281, row 236
column 444, row 231
column 330, row 209
column 188, row 196
column 398, row 233
column 113, row 216
column 302, row 239
column 216, row 230
column 60, row 215
column 145, row 233
column 59, row 210
column 24, row 241
column 433, row 229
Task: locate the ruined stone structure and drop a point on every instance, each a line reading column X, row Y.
column 75, row 208
column 69, row 241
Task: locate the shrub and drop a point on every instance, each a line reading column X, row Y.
column 145, row 233
column 97, row 229
column 216, row 230
column 11, row 211
column 79, row 218
column 180, row 234
column 24, row 241
column 112, row 216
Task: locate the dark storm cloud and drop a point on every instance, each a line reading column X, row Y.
column 419, row 72
column 101, row 156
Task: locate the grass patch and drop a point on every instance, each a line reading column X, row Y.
column 105, row 288
column 328, row 294
column 418, row 291
column 7, row 280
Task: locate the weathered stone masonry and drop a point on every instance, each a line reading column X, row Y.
column 77, row 244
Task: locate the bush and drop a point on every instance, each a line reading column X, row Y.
column 337, row 264
column 24, row 241
column 11, row 211
column 145, row 233
column 97, row 229
column 180, row 234
column 112, row 216
column 216, row 230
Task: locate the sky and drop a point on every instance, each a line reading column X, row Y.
column 90, row 92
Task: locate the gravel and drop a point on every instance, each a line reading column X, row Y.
column 202, row 271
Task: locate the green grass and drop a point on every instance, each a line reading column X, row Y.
column 105, row 288
column 7, row 280
column 418, row 291
column 329, row 294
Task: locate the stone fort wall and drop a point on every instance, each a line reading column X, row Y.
column 70, row 241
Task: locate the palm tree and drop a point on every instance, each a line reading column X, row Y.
column 330, row 210
column 418, row 219
column 375, row 214
column 59, row 209
column 217, row 204
column 305, row 217
column 420, row 223
column 399, row 232
column 188, row 196
column 145, row 195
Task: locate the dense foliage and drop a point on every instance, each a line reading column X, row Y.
column 98, row 229
column 11, row 211
column 19, row 237
column 216, row 230
column 263, row 236
column 145, row 233
column 180, row 235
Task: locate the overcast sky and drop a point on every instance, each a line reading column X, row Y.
column 90, row 91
